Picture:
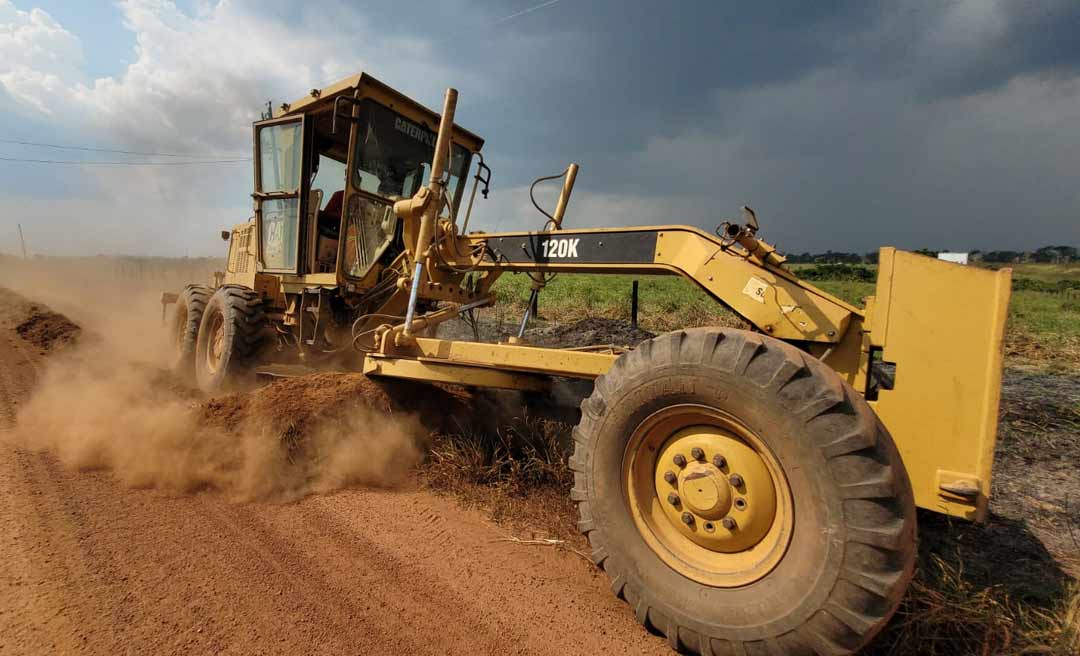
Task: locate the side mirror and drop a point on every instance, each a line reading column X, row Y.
column 749, row 218
column 225, row 234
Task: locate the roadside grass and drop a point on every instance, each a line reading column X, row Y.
column 1043, row 272
column 517, row 471
column 1043, row 327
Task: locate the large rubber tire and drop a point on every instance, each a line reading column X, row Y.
column 231, row 338
column 184, row 328
column 852, row 545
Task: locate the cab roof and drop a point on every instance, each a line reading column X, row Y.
column 319, row 99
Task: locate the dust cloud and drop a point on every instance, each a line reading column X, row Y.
column 105, row 402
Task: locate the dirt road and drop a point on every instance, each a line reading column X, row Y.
column 89, row 566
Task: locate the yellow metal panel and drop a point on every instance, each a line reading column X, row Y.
column 370, row 87
column 553, row 362
column 877, row 307
column 942, row 324
column 446, row 372
column 779, row 305
column 771, row 298
column 296, row 284
column 322, row 96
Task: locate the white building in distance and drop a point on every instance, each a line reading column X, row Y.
column 957, row 258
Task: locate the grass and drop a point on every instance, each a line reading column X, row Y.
column 518, row 472
column 948, row 612
column 1044, row 272
column 665, row 302
column 1042, row 326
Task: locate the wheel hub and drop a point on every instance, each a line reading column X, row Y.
column 705, row 491
column 216, row 345
column 708, row 495
column 731, row 506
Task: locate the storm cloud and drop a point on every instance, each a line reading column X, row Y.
column 846, row 125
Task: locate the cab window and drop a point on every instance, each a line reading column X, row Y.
column 393, row 155
column 280, row 156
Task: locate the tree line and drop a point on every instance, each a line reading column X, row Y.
column 1046, row 255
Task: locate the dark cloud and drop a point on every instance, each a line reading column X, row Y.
column 848, row 124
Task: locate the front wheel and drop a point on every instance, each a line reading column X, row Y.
column 230, row 340
column 742, row 497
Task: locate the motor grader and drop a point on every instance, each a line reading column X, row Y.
column 746, row 491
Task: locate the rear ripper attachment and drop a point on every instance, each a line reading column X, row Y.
column 747, row 491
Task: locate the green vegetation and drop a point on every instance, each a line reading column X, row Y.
column 665, row 302
column 1046, row 272
column 1044, row 313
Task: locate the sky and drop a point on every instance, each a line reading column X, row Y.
column 846, row 125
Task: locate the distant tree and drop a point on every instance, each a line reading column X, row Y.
column 1002, row 257
column 871, row 257
column 1046, row 255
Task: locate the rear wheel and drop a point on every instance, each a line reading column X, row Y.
column 184, row 328
column 231, row 337
column 742, row 497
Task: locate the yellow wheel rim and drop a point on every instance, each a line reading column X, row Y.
column 215, row 343
column 707, row 495
column 181, row 323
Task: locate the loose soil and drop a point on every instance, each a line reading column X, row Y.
column 1036, row 479
column 88, row 566
column 46, row 329
column 589, row 332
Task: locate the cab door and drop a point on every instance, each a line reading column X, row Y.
column 279, row 157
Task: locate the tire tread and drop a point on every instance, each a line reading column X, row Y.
column 814, row 392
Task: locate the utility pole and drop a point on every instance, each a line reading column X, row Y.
column 22, row 241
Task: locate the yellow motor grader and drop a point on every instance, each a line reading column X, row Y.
column 746, row 491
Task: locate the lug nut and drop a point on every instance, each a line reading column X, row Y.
column 740, row 503
column 736, row 480
column 719, row 461
column 728, row 523
column 688, row 519
column 680, row 459
column 697, row 453
column 669, row 477
column 673, row 499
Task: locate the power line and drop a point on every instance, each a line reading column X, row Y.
column 516, row 14
column 117, row 151
column 542, row 5
column 80, row 162
column 103, row 150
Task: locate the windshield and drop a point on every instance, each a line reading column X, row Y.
column 393, row 156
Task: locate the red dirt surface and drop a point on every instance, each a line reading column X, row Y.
column 88, row 566
column 47, row 329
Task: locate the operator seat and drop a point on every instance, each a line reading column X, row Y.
column 327, row 230
column 330, row 216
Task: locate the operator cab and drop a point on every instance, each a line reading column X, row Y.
column 328, row 169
